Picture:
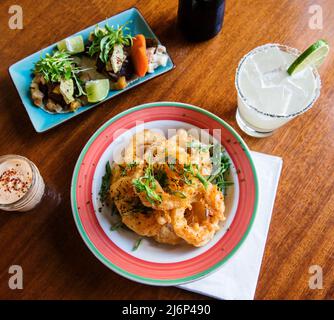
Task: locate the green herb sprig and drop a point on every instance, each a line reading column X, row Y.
column 116, row 226
column 147, row 184
column 105, row 185
column 188, row 168
column 128, row 166
column 222, row 165
column 104, row 40
column 178, row 193
column 59, row 66
column 137, row 244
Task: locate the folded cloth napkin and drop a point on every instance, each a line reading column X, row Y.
column 237, row 278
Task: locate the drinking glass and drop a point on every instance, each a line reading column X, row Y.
column 268, row 97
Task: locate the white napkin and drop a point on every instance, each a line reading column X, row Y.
column 237, row 278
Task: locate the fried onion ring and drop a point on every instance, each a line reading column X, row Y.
column 198, row 225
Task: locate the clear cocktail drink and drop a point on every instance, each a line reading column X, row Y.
column 268, row 97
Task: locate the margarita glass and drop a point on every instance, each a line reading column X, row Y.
column 268, row 97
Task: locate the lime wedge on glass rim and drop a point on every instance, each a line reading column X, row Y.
column 72, row 45
column 97, row 90
column 313, row 56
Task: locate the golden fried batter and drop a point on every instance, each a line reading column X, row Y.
column 169, row 201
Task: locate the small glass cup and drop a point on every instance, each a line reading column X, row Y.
column 258, row 123
column 34, row 194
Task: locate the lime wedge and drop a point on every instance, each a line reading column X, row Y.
column 313, row 56
column 72, row 45
column 97, row 90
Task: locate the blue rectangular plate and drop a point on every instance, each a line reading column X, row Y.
column 21, row 72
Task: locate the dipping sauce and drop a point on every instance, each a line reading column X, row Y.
column 15, row 180
column 21, row 185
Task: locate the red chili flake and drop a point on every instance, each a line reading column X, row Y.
column 11, row 183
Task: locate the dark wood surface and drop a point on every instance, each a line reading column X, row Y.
column 45, row 242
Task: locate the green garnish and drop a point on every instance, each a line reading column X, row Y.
column 222, row 164
column 162, row 178
column 201, row 147
column 202, row 179
column 137, row 244
column 147, row 184
column 178, row 193
column 188, row 168
column 116, row 226
column 171, row 166
column 105, row 185
column 130, row 166
column 188, row 181
column 123, row 170
column 114, row 210
column 59, row 66
column 104, row 40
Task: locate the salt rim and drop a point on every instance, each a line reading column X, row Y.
column 286, row 49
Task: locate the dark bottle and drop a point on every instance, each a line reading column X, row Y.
column 201, row 19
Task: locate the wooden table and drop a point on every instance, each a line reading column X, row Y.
column 45, row 242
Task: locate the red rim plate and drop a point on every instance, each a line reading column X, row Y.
column 146, row 271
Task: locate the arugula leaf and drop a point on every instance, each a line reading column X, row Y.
column 104, row 40
column 57, row 66
column 105, row 185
